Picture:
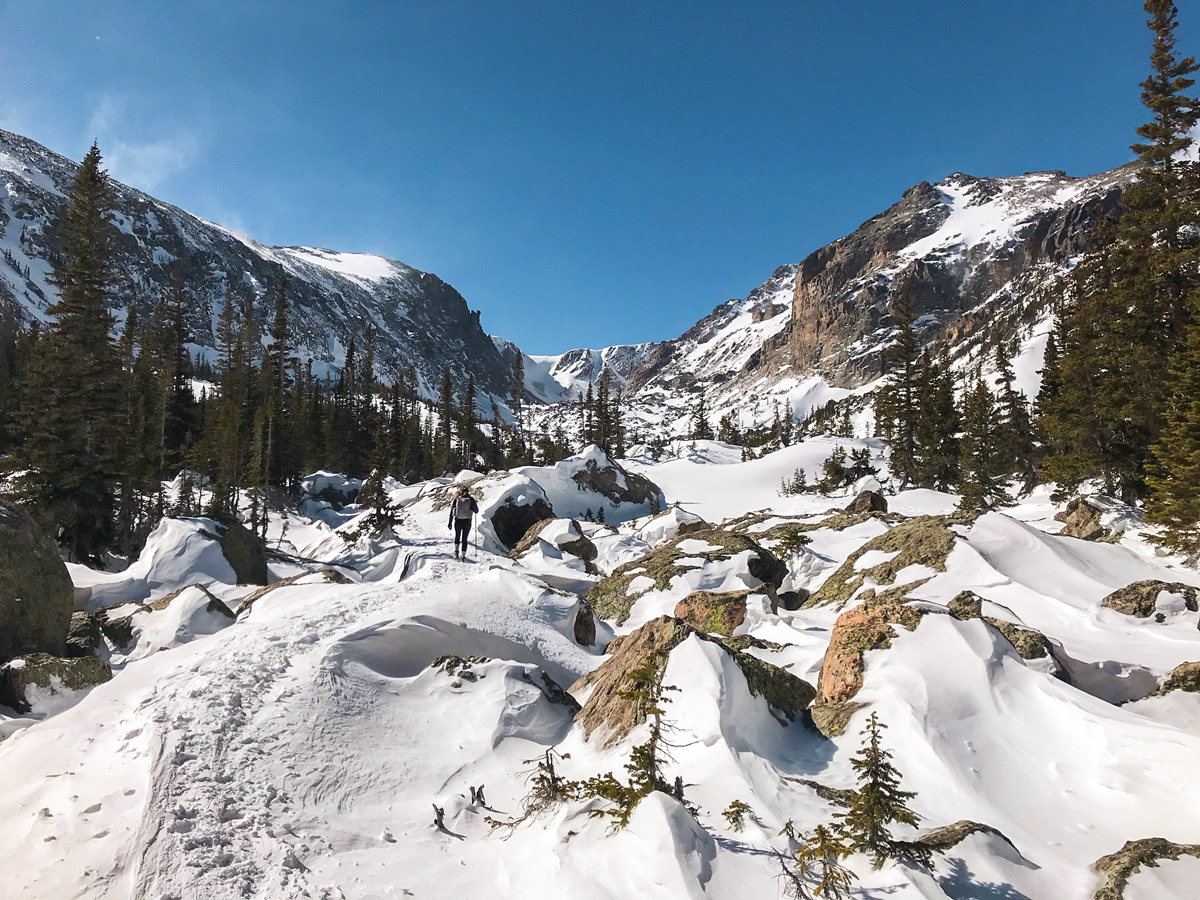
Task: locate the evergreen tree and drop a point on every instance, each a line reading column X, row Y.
column 935, row 433
column 1015, row 425
column 72, row 412
column 982, row 457
column 1125, row 307
column 446, row 420
column 818, row 873
column 896, row 403
column 1175, row 473
column 700, row 430
column 878, row 803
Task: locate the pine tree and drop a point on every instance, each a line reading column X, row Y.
column 1125, row 307
column 701, row 430
column 72, row 413
column 878, row 803
column 818, row 873
column 896, row 405
column 935, row 433
column 1175, row 473
column 1015, row 426
column 982, row 457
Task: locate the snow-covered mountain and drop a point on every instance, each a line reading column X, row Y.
column 976, row 253
column 419, row 320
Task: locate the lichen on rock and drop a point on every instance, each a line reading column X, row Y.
column 1184, row 677
column 714, row 612
column 925, row 540
column 49, row 673
column 613, row 707
column 612, row 598
column 1141, row 598
column 1117, row 868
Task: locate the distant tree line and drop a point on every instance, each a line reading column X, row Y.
column 94, row 419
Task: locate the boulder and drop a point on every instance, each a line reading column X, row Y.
column 36, row 596
column 714, row 612
column 51, row 674
column 612, row 597
column 868, row 502
column 924, row 540
column 1082, row 520
column 1184, row 677
column 116, row 621
column 214, row 605
column 511, row 521
column 85, row 636
column 1141, row 598
column 244, row 551
column 565, row 534
column 584, row 628
column 612, row 709
column 1117, row 868
column 602, row 475
column 330, row 575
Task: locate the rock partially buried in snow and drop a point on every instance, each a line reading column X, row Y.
column 670, row 524
column 1145, row 598
column 907, row 554
column 36, row 597
column 714, row 612
column 865, row 627
column 244, row 551
column 610, row 708
column 116, row 621
column 868, row 501
column 1081, row 519
column 1117, row 868
column 563, row 534
column 213, row 604
column 614, row 596
column 1184, row 677
column 22, row 679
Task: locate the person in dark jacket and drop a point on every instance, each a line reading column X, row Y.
column 463, row 509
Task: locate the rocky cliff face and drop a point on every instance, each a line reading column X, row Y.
column 419, row 320
column 968, row 247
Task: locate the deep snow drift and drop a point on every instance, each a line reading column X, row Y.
column 299, row 750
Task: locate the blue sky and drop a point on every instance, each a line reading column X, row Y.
column 585, row 173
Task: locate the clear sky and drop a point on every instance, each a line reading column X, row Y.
column 585, row 173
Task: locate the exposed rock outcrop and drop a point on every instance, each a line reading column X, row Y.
column 51, row 674
column 924, row 541
column 612, row 597
column 572, row 540
column 1141, row 598
column 85, row 636
column 511, row 521
column 36, row 596
column 1082, row 520
column 244, row 551
column 1184, row 677
column 1117, row 868
column 613, row 708
column 868, row 502
column 714, row 612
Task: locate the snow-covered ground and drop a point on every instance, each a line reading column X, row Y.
column 299, row 750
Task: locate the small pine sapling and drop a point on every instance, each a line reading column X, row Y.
column 878, row 803
column 547, row 789
column 818, row 871
column 735, row 814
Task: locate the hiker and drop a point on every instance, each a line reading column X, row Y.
column 462, row 511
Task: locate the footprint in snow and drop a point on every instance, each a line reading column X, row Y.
column 94, row 808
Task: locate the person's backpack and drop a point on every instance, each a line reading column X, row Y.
column 462, row 507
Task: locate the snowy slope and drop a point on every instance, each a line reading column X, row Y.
column 418, row 320
column 299, row 750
